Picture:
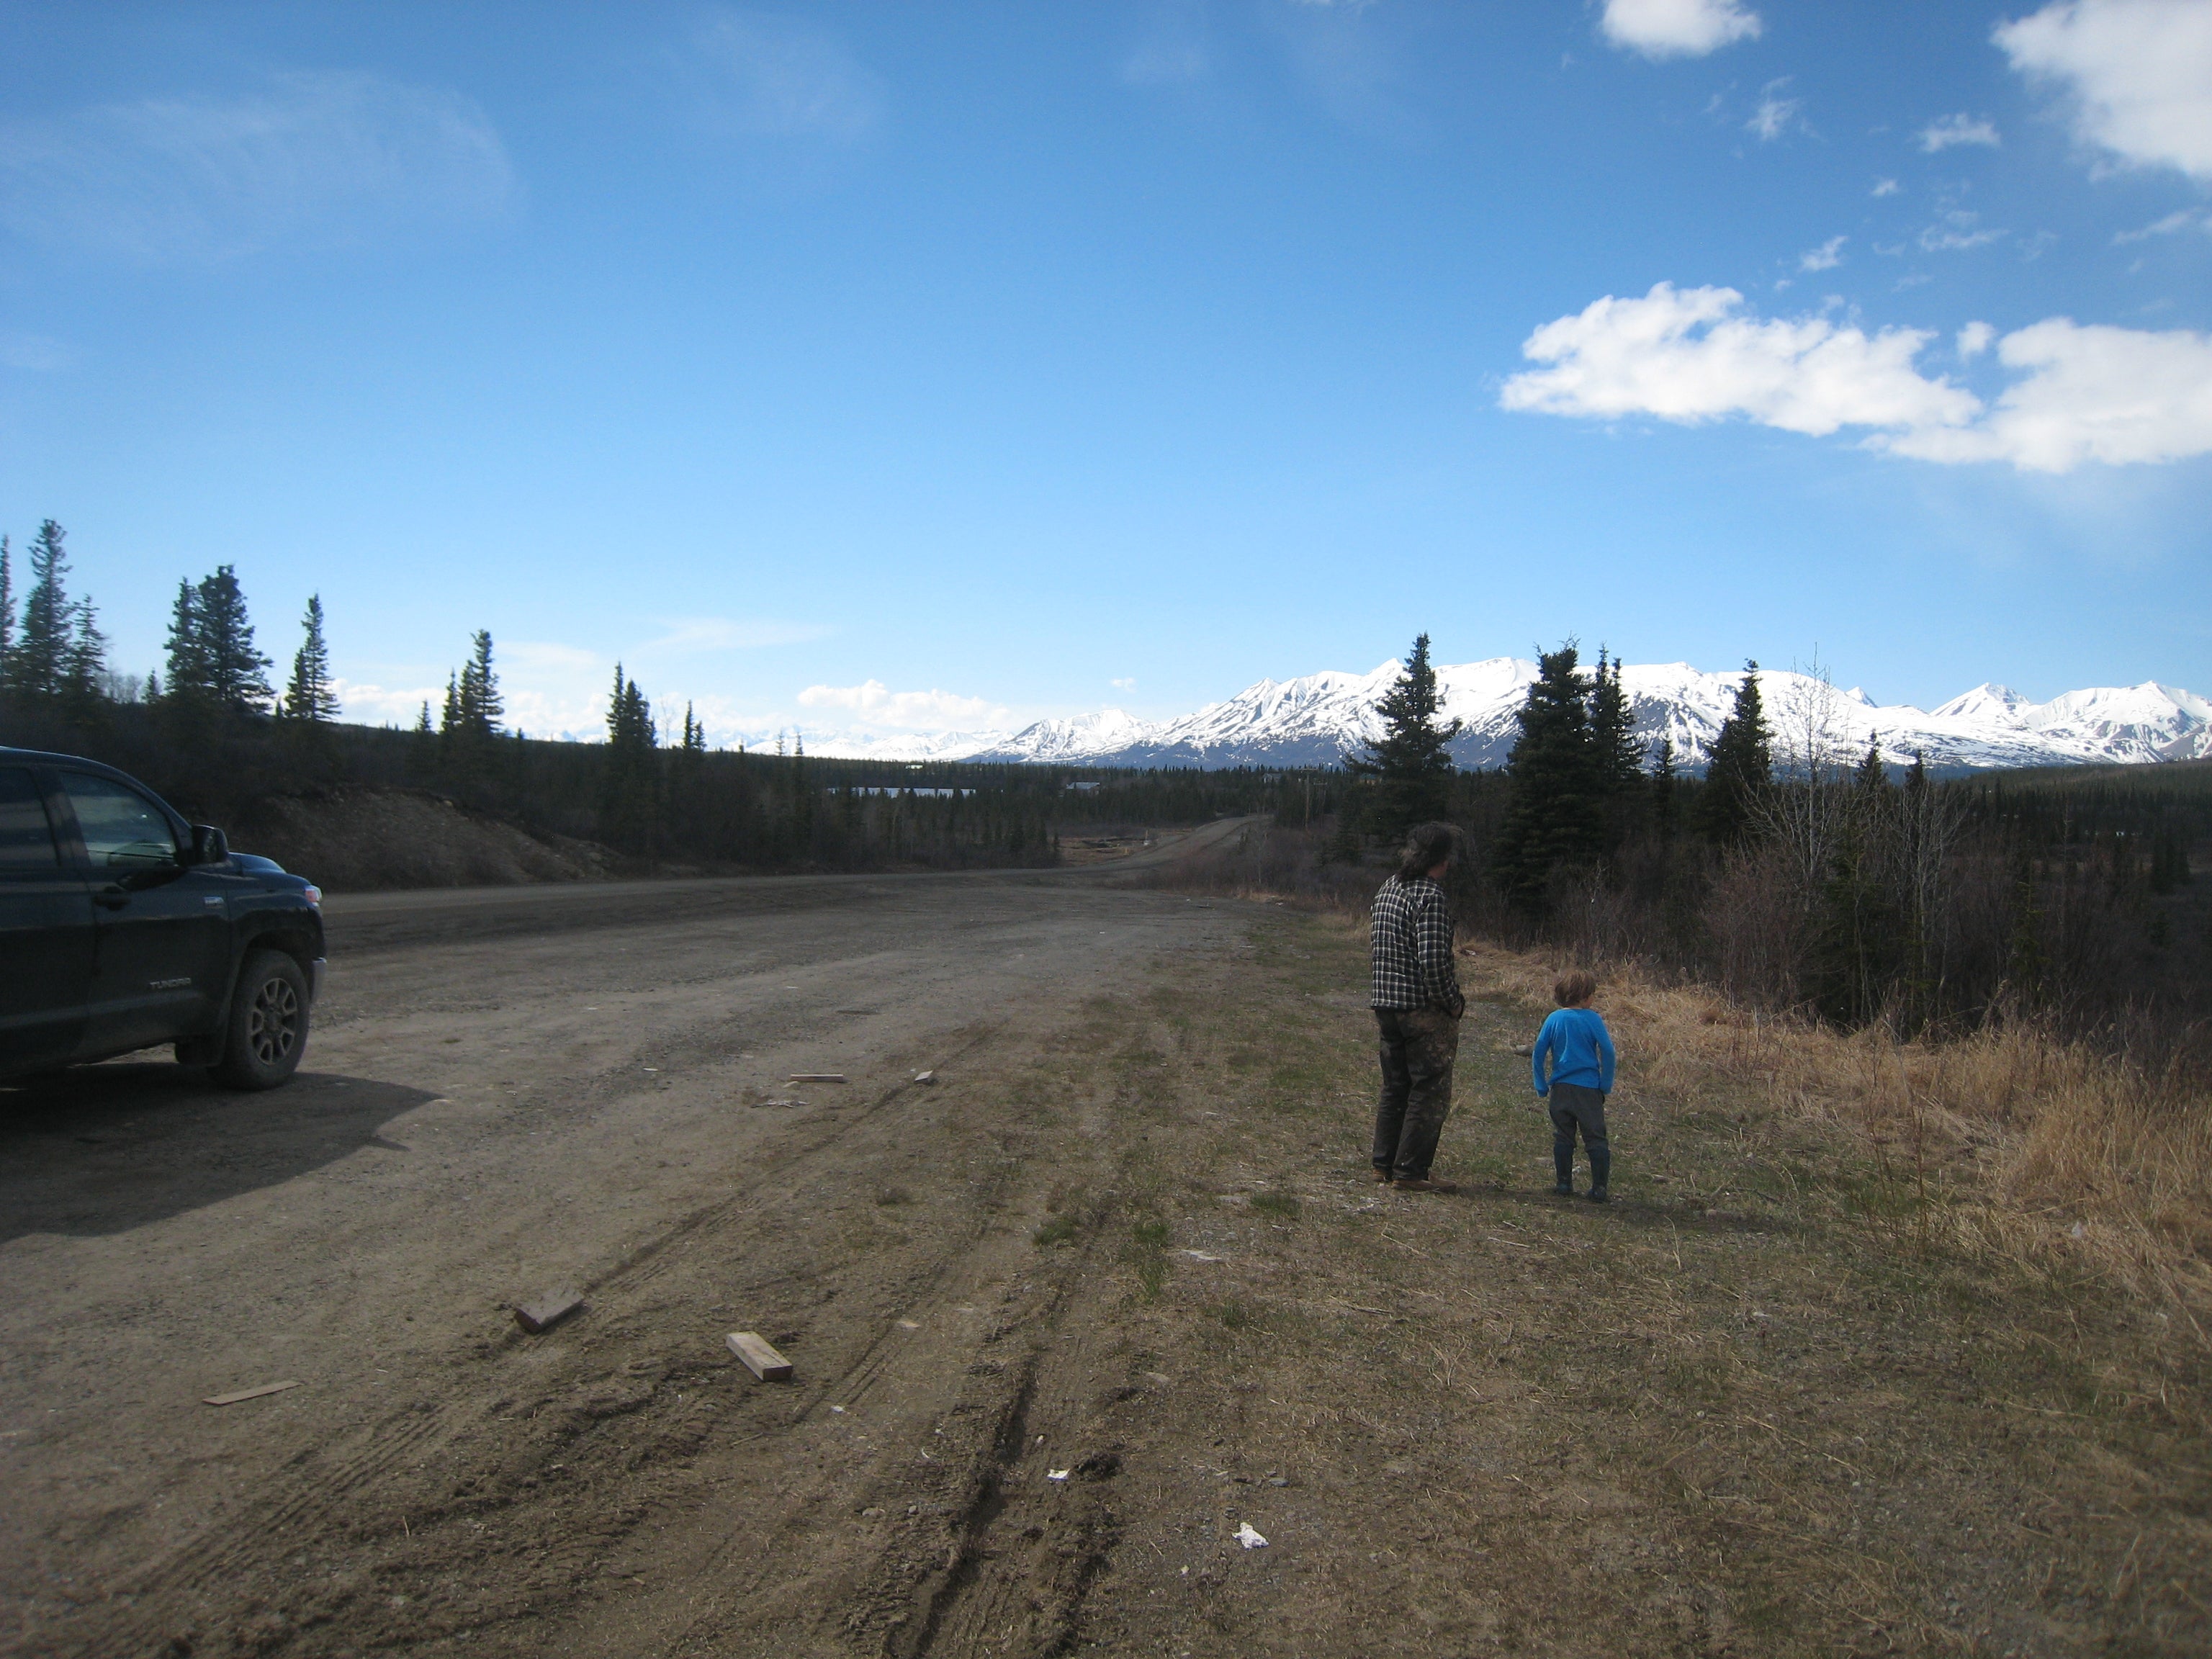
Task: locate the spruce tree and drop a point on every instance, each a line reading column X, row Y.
column 1740, row 768
column 7, row 616
column 232, row 674
column 39, row 663
column 1873, row 775
column 1555, row 815
column 309, row 697
column 477, row 702
column 449, row 720
column 1663, row 791
column 1620, row 752
column 191, row 681
column 630, row 797
column 84, row 661
column 1411, row 763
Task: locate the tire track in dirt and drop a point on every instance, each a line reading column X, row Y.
column 320, row 1492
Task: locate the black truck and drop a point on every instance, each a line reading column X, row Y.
column 123, row 927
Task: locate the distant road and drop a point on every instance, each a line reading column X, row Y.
column 378, row 921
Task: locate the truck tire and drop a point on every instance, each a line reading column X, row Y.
column 268, row 1028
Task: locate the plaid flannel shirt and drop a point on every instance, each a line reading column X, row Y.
column 1410, row 933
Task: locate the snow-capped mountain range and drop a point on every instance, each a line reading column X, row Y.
column 1318, row 719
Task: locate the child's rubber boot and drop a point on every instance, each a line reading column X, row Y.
column 1564, row 1164
column 1600, row 1171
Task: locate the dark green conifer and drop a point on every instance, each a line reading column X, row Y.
column 84, row 662
column 478, row 706
column 630, row 791
column 1740, row 768
column 1664, row 803
column 1873, row 775
column 1619, row 752
column 7, row 615
column 213, row 664
column 309, row 697
column 38, row 664
column 1555, row 815
column 1411, row 763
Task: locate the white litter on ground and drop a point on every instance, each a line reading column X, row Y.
column 1249, row 1539
column 1057, row 1474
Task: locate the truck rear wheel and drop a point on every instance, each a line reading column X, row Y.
column 268, row 1028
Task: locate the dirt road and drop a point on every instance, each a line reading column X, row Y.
column 1063, row 1321
column 508, row 1091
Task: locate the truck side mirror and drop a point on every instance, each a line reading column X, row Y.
column 209, row 845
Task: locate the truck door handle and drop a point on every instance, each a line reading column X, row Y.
column 114, row 898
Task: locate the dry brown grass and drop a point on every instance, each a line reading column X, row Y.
column 2045, row 1150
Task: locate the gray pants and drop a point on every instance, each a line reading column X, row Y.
column 1418, row 1047
column 1576, row 1107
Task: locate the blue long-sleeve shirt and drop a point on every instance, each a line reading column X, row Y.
column 1579, row 1047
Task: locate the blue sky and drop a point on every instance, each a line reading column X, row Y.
column 944, row 366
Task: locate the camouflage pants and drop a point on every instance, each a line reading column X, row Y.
column 1419, row 1047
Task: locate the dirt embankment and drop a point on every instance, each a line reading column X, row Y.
column 364, row 838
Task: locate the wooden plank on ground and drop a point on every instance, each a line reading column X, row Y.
column 546, row 1311
column 762, row 1360
column 817, row 1076
column 248, row 1394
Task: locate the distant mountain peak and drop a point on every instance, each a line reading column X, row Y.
column 1316, row 719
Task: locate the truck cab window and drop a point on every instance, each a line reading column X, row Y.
column 26, row 840
column 123, row 830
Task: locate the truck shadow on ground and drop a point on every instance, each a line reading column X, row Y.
column 105, row 1149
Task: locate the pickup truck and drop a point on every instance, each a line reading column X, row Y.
column 123, row 927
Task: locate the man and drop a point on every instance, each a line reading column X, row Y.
column 1418, row 1006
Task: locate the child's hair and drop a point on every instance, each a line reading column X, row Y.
column 1575, row 986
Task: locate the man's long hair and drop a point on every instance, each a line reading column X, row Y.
column 1427, row 845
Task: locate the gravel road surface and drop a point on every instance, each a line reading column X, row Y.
column 508, row 1092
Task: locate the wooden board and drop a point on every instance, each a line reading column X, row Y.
column 817, row 1076
column 762, row 1360
column 247, row 1394
column 547, row 1311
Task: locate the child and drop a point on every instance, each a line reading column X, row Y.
column 1581, row 1051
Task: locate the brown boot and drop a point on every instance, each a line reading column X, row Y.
column 1426, row 1186
column 1382, row 1177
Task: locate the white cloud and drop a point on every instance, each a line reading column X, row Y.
column 690, row 634
column 2137, row 74
column 1123, row 685
column 1945, row 130
column 1677, row 29
column 1974, row 339
column 1957, row 231
column 1775, row 112
column 324, row 159
column 1885, row 187
column 873, row 703
column 1827, row 256
column 1686, row 355
column 2121, row 396
column 2185, row 219
column 2113, row 395
column 785, row 78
